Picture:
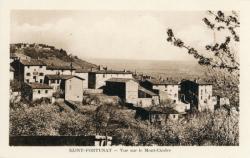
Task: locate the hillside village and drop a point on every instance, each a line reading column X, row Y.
column 69, row 83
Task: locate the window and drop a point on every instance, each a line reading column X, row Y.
column 201, row 91
column 39, row 91
column 41, row 80
column 46, row 91
column 28, row 74
column 34, row 77
column 209, row 97
column 41, row 74
column 40, row 66
column 27, row 80
column 58, row 81
column 28, row 67
column 201, row 97
column 103, row 75
column 52, row 81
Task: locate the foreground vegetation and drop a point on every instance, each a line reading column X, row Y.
column 43, row 119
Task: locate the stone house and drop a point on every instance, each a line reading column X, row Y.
column 125, row 88
column 198, row 94
column 60, row 70
column 73, row 88
column 83, row 74
column 166, row 89
column 160, row 114
column 34, row 91
column 55, row 81
column 129, row 91
column 29, row 71
column 181, row 107
column 147, row 98
column 97, row 79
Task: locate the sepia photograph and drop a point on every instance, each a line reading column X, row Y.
column 124, row 78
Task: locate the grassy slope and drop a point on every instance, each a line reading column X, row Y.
column 53, row 56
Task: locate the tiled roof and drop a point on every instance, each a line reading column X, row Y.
column 161, row 110
column 112, row 72
column 39, row 86
column 147, row 91
column 119, row 79
column 162, row 82
column 58, row 77
column 33, row 62
column 56, row 67
column 82, row 71
column 61, row 77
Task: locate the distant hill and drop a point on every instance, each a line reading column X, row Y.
column 50, row 55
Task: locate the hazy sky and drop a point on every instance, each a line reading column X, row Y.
column 111, row 34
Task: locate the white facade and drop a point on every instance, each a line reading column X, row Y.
column 101, row 78
column 41, row 93
column 131, row 91
column 224, row 101
column 74, row 89
column 147, row 102
column 34, row 73
column 205, row 98
column 167, row 91
column 55, row 84
column 181, row 107
column 11, row 75
column 85, row 76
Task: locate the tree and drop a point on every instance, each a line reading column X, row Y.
column 220, row 58
column 34, row 121
column 220, row 55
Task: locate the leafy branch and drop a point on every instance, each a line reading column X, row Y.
column 220, row 54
